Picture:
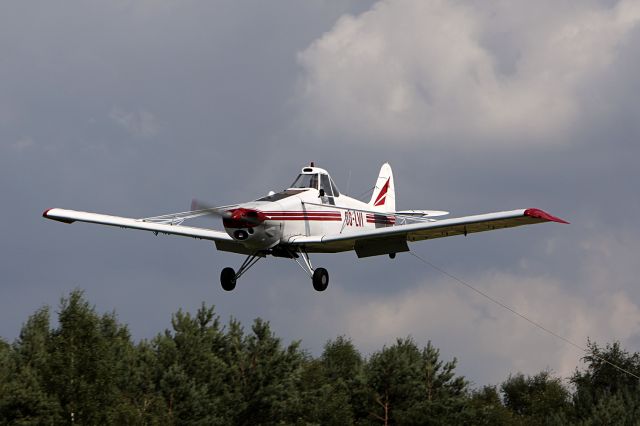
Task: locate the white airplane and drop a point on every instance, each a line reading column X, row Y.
column 312, row 216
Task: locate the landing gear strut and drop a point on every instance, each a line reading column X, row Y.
column 228, row 276
column 319, row 276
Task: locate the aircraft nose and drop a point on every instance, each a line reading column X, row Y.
column 245, row 218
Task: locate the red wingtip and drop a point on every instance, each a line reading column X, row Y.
column 540, row 214
column 45, row 213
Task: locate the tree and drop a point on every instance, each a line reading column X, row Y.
column 410, row 386
column 333, row 388
column 391, row 376
column 539, row 399
column 341, row 360
column 486, row 408
column 602, row 389
column 266, row 375
column 144, row 391
column 193, row 376
column 441, row 394
column 90, row 362
column 87, row 370
column 23, row 396
column 344, row 367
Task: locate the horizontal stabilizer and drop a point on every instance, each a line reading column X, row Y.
column 422, row 213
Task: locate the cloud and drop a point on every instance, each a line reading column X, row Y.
column 23, row 143
column 596, row 301
column 479, row 332
column 476, row 75
column 139, row 124
column 399, row 82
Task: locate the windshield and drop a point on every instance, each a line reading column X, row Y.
column 305, row 181
column 336, row 193
column 324, row 184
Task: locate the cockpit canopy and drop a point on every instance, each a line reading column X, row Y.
column 316, row 178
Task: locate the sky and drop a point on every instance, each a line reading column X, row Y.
column 133, row 108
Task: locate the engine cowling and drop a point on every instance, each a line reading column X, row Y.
column 244, row 218
column 252, row 228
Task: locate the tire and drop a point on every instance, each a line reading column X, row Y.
column 228, row 279
column 320, row 279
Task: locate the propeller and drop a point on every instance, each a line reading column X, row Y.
column 232, row 216
column 208, row 209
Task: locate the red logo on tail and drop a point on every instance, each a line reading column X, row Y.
column 383, row 194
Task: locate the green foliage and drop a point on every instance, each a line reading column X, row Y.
column 87, row 370
column 413, row 386
column 485, row 407
column 541, row 399
column 605, row 393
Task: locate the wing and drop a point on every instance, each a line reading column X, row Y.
column 394, row 239
column 167, row 224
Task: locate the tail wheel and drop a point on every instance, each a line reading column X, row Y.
column 320, row 279
column 228, row 279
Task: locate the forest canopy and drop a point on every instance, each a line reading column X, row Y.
column 88, row 369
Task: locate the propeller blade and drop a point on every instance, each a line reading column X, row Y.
column 233, row 216
column 197, row 205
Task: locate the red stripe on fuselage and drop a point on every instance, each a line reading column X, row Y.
column 307, row 215
column 311, row 219
column 302, row 212
column 380, row 219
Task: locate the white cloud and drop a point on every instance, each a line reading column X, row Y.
column 139, row 124
column 481, row 333
column 489, row 341
column 466, row 73
column 23, row 144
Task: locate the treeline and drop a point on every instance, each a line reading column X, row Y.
column 87, row 370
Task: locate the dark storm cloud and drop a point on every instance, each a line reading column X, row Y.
column 132, row 108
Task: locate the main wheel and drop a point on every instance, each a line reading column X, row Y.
column 320, row 279
column 228, row 279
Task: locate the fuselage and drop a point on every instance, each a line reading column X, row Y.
column 312, row 206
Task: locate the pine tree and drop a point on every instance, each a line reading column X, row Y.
column 90, row 361
column 441, row 394
column 485, row 407
column 267, row 376
column 23, row 396
column 193, row 378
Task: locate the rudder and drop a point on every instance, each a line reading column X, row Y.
column 384, row 193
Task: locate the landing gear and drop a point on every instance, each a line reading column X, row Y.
column 320, row 279
column 228, row 276
column 228, row 279
column 319, row 276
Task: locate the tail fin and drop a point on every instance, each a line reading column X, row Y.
column 384, row 193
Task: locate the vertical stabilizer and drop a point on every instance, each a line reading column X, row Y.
column 384, row 193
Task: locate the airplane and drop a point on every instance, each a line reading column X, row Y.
column 313, row 216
